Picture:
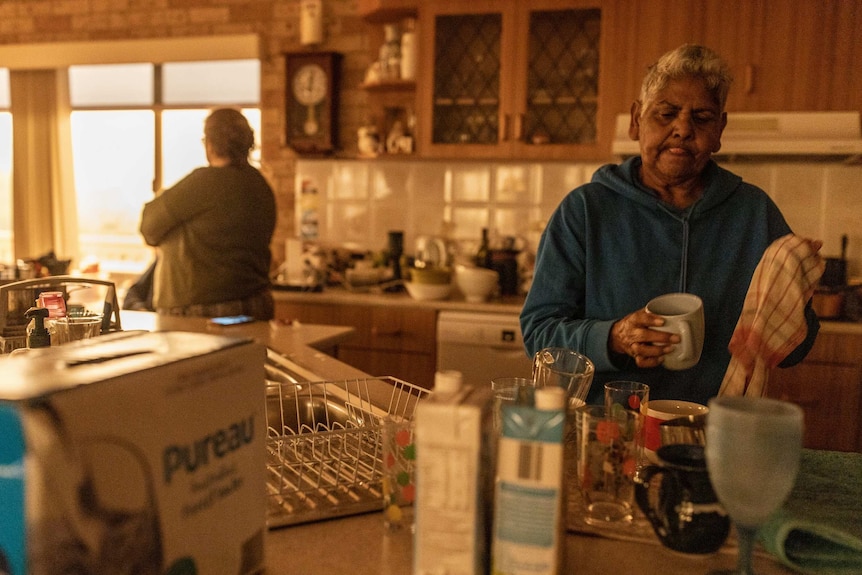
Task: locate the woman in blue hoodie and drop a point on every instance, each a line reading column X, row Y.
column 669, row 220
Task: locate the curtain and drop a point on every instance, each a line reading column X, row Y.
column 45, row 213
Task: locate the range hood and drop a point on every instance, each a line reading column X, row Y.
column 819, row 134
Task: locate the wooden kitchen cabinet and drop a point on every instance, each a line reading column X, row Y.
column 485, row 88
column 783, row 54
column 827, row 385
column 395, row 341
column 513, row 79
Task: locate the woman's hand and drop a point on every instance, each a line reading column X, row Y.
column 633, row 337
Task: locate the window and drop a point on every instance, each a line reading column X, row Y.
column 117, row 113
column 6, row 252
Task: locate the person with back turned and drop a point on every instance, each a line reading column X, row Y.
column 213, row 230
column 668, row 220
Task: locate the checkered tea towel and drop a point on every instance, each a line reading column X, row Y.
column 772, row 323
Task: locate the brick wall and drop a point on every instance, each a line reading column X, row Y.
column 275, row 22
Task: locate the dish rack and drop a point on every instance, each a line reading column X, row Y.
column 83, row 296
column 323, row 445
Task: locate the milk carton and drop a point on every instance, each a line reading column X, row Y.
column 454, row 441
column 134, row 453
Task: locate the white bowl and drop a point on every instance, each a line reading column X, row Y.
column 477, row 284
column 428, row 291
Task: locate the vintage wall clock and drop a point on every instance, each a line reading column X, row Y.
column 312, row 101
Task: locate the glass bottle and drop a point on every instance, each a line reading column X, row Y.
column 483, row 254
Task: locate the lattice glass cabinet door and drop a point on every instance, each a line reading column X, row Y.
column 514, row 79
column 467, row 60
column 562, row 77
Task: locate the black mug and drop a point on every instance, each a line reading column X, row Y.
column 682, row 507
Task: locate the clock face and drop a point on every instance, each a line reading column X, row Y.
column 310, row 85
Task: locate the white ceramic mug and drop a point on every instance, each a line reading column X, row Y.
column 660, row 410
column 683, row 315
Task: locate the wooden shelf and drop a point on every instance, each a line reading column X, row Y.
column 380, row 11
column 389, row 86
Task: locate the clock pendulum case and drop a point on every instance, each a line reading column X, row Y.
column 312, row 101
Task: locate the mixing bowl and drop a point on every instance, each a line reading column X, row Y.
column 477, row 284
column 421, row 291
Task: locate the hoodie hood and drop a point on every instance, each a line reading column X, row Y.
column 623, row 179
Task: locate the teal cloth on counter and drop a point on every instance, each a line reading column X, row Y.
column 819, row 529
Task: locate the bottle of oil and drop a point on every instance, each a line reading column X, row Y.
column 483, row 254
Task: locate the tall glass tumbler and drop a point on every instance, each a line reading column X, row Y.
column 631, row 396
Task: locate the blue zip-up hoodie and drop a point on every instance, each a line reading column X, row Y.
column 612, row 245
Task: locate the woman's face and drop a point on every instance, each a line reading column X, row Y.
column 678, row 131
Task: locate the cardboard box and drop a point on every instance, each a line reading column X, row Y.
column 455, row 466
column 134, row 452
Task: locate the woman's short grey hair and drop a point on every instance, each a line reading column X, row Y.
column 686, row 61
column 229, row 134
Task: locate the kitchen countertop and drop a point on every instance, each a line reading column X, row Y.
column 360, row 545
column 338, row 295
column 298, row 342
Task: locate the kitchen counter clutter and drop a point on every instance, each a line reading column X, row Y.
column 504, row 304
column 397, row 335
column 363, row 545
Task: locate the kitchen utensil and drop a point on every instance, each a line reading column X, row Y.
column 477, row 284
column 323, row 442
column 428, row 292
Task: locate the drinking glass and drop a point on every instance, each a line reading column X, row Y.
column 753, row 447
column 510, row 391
column 630, row 396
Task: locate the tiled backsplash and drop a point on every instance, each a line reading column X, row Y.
column 359, row 201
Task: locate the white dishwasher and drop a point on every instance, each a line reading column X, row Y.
column 482, row 346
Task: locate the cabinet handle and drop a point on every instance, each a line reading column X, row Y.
column 503, row 134
column 519, row 127
column 749, row 79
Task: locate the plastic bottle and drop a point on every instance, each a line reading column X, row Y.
column 37, row 334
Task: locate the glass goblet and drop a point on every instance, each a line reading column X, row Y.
column 753, row 446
